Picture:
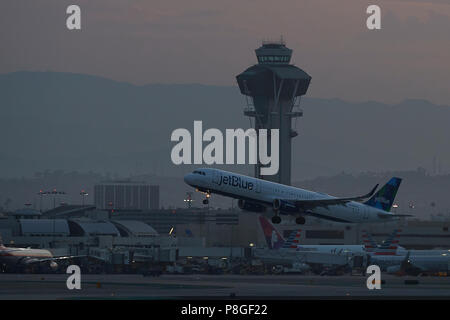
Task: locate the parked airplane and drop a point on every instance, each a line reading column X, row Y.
column 388, row 255
column 391, row 246
column 276, row 241
column 257, row 194
column 411, row 262
column 20, row 259
column 413, row 265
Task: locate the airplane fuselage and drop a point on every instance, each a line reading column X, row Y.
column 422, row 262
column 264, row 192
column 17, row 257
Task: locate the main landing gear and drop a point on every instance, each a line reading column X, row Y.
column 300, row 220
column 276, row 219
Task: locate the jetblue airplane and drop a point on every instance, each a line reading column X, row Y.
column 257, row 194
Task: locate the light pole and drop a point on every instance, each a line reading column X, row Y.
column 83, row 194
column 54, row 193
column 41, row 193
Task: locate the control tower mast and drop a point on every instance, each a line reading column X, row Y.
column 274, row 87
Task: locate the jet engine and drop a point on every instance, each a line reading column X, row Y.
column 284, row 207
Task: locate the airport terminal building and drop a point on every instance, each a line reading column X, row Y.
column 131, row 195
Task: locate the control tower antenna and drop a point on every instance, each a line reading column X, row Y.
column 274, row 87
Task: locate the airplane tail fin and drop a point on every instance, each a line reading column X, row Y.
column 273, row 237
column 405, row 262
column 293, row 240
column 370, row 245
column 384, row 198
column 390, row 245
column 392, row 241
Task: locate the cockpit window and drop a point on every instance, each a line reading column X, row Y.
column 199, row 172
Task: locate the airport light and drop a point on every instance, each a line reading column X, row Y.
column 188, row 199
column 395, row 207
column 54, row 192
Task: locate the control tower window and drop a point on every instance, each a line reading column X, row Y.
column 276, row 59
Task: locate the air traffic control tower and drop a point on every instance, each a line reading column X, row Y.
column 273, row 88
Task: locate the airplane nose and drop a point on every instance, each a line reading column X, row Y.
column 188, row 178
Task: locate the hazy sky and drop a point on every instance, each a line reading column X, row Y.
column 210, row 42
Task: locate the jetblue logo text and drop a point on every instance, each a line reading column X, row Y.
column 213, row 153
column 235, row 182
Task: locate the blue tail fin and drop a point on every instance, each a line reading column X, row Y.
column 384, row 198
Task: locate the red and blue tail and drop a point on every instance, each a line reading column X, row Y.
column 273, row 237
column 293, row 241
column 387, row 247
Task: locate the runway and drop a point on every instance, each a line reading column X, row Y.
column 28, row 286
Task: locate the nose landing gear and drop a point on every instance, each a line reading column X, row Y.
column 206, row 201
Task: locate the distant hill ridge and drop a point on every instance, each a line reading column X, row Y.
column 53, row 120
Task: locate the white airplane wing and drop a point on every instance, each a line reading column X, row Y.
column 311, row 204
column 393, row 215
column 56, row 259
